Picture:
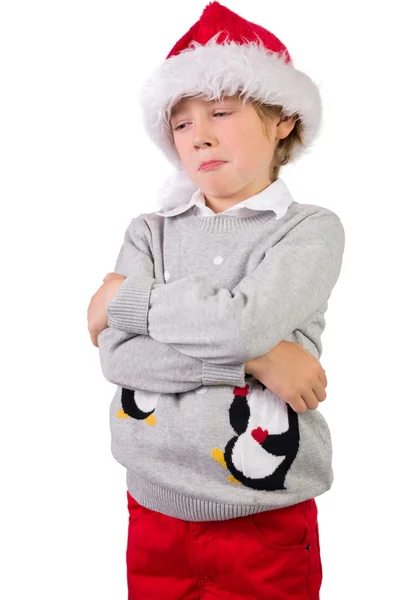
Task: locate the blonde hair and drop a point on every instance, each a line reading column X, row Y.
column 284, row 149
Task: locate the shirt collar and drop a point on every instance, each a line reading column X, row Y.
column 275, row 197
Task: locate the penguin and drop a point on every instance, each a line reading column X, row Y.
column 267, row 440
column 139, row 405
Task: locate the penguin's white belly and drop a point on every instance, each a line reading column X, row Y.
column 268, row 415
column 146, row 401
column 250, row 458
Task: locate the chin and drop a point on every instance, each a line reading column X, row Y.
column 222, row 187
column 220, row 192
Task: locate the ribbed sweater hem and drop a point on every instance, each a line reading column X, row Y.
column 187, row 508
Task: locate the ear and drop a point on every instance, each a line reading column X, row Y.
column 284, row 127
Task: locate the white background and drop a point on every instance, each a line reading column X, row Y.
column 76, row 166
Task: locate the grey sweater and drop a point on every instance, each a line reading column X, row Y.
column 200, row 439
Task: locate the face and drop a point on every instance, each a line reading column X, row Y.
column 230, row 131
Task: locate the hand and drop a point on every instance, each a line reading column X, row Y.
column 97, row 315
column 291, row 373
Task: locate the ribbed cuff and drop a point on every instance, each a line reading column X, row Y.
column 128, row 311
column 223, row 374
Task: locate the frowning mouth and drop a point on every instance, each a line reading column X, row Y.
column 211, row 164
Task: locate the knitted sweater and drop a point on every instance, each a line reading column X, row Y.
column 200, row 439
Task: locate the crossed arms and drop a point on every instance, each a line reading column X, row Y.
column 178, row 336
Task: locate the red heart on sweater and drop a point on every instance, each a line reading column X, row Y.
column 259, row 434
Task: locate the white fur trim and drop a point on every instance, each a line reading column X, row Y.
column 176, row 190
column 212, row 70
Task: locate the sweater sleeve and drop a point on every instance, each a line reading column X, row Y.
column 135, row 260
column 224, row 326
column 138, row 361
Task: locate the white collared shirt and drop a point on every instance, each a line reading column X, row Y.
column 275, row 197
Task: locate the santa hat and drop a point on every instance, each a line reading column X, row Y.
column 223, row 54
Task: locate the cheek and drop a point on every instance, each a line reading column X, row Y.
column 256, row 151
column 241, row 141
column 247, row 153
column 184, row 152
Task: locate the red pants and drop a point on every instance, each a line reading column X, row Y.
column 273, row 555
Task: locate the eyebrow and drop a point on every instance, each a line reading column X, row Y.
column 176, row 111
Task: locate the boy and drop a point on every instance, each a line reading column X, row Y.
column 204, row 326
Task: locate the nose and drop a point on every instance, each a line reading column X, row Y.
column 202, row 137
column 201, row 143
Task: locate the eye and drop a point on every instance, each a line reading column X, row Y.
column 181, row 126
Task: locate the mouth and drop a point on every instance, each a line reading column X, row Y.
column 211, row 164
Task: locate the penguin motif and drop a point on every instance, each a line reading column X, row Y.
column 139, row 405
column 267, row 439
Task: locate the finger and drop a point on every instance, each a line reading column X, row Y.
column 298, row 405
column 93, row 337
column 110, row 276
column 310, row 399
column 319, row 391
column 322, row 377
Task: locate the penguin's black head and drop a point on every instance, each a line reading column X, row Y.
column 248, row 376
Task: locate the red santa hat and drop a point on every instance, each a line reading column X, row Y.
column 223, row 54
